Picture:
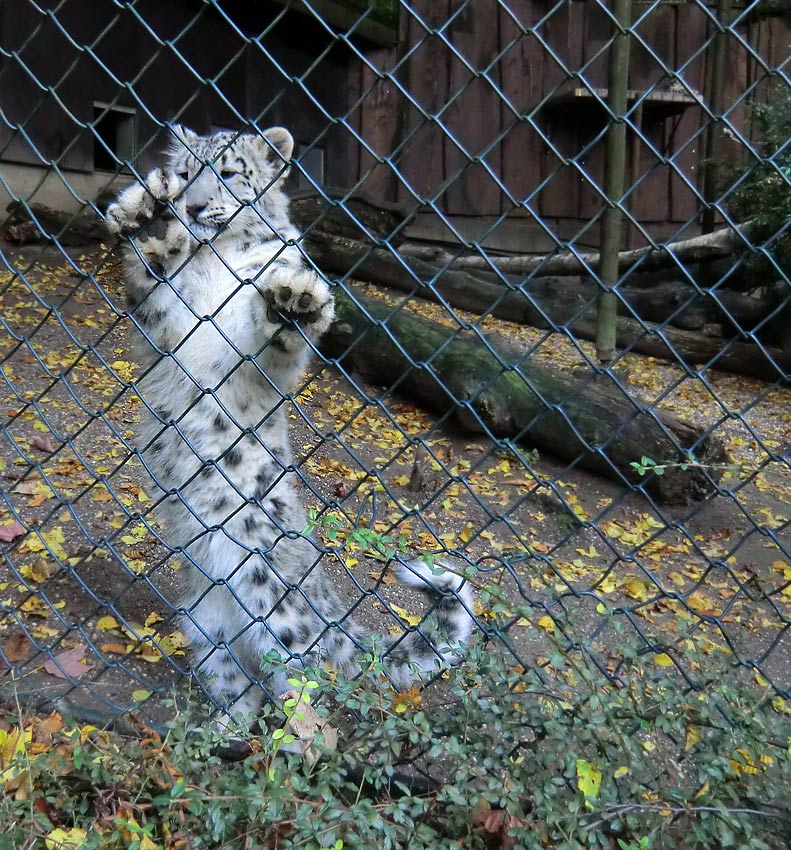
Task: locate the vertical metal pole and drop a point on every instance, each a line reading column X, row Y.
column 614, row 170
column 711, row 146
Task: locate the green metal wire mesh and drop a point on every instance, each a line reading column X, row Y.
column 443, row 147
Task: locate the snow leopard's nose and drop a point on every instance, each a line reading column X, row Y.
column 194, row 210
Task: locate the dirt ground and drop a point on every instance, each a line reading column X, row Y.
column 84, row 579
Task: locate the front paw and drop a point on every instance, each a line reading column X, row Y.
column 299, row 296
column 150, row 214
column 140, row 205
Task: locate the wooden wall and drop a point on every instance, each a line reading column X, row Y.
column 463, row 117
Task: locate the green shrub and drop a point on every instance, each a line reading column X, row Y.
column 491, row 755
column 762, row 185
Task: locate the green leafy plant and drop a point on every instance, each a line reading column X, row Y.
column 659, row 467
column 647, row 464
column 559, row 756
column 361, row 539
column 281, row 736
column 759, row 191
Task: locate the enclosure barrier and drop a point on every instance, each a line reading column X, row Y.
column 489, row 188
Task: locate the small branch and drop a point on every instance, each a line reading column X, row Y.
column 686, row 810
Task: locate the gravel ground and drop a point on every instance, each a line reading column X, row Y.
column 84, row 573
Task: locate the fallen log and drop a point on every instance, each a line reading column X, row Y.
column 552, row 305
column 583, row 421
column 709, row 246
column 334, row 213
column 38, row 223
column 694, row 350
column 339, row 255
column 674, row 301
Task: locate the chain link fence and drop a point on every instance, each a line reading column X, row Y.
column 556, row 236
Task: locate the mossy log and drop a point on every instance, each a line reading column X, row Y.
column 494, row 389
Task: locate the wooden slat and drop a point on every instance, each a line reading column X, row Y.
column 425, row 76
column 595, row 47
column 560, row 198
column 474, row 115
column 690, row 30
column 651, row 55
column 520, row 72
column 376, row 117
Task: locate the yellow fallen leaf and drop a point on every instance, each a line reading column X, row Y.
column 124, row 370
column 13, row 746
column 744, row 763
column 411, row 619
column 34, row 607
column 43, row 631
column 146, row 651
column 173, row 644
column 137, row 566
column 608, row 584
column 663, row 660
column 53, row 538
column 546, row 623
column 38, row 572
column 588, row 780
column 65, row 839
column 692, row 738
column 638, row 589
column 152, row 619
column 136, row 835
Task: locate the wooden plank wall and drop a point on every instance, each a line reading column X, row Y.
column 464, row 121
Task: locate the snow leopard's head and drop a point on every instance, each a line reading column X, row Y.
column 232, row 180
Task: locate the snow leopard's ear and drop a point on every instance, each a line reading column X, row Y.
column 182, row 137
column 279, row 145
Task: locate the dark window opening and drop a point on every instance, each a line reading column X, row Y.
column 114, row 139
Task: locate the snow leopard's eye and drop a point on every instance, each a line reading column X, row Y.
column 183, row 175
column 225, row 174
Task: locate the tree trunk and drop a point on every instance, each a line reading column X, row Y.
column 494, row 390
column 710, row 246
column 549, row 303
column 72, row 229
column 357, row 217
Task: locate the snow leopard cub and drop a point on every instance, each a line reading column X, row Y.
column 228, row 310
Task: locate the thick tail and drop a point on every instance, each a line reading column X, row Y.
column 437, row 641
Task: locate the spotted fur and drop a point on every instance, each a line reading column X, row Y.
column 228, row 310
